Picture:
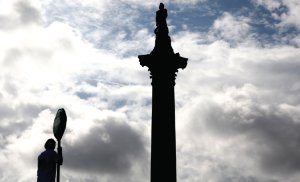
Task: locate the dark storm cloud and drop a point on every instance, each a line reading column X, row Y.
column 273, row 139
column 282, row 137
column 112, row 148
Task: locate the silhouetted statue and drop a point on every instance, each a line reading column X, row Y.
column 163, row 65
column 47, row 161
column 161, row 20
column 162, row 41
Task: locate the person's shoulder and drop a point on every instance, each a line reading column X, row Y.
column 41, row 155
column 50, row 152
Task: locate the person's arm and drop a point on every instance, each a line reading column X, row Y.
column 60, row 157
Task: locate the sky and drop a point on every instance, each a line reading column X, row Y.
column 237, row 101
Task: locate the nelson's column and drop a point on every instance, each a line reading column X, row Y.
column 163, row 65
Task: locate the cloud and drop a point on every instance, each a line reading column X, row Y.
column 242, row 112
column 17, row 14
column 287, row 11
column 28, row 13
column 111, row 148
column 232, row 28
column 237, row 102
column 43, row 67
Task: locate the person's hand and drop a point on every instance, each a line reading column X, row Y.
column 60, row 157
column 59, row 149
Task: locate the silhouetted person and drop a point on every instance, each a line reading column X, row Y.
column 47, row 162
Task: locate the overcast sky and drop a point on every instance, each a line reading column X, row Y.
column 237, row 101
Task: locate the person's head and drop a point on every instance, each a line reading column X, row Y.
column 50, row 144
column 161, row 6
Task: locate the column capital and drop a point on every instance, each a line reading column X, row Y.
column 164, row 67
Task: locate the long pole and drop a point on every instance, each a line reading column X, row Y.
column 58, row 164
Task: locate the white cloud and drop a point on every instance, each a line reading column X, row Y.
column 287, row 11
column 232, row 28
column 232, row 96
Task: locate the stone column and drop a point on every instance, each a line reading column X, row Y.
column 163, row 65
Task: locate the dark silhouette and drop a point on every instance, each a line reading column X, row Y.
column 47, row 162
column 59, row 127
column 163, row 65
column 161, row 20
column 162, row 41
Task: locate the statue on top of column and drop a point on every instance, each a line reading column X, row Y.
column 161, row 22
column 162, row 41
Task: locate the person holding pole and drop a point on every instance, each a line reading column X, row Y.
column 59, row 127
column 47, row 162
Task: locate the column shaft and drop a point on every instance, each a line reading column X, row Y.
column 163, row 141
